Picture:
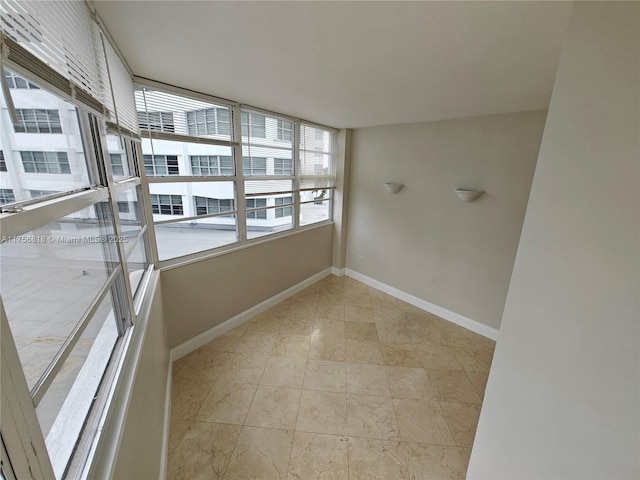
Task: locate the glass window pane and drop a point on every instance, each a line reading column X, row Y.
column 49, row 277
column 314, row 212
column 176, row 199
column 183, row 238
column 137, row 263
column 265, row 222
column 44, row 157
column 131, row 217
column 118, row 157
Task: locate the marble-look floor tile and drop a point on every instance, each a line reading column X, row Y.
column 328, row 308
column 474, row 359
column 177, row 429
column 274, row 407
column 226, row 342
column 330, row 327
column 479, row 381
column 266, row 322
column 228, row 402
column 327, row 348
column 435, row 462
column 188, row 396
column 363, row 352
column 453, row 386
column 288, row 345
column 421, row 421
column 260, row 453
column 297, row 325
column 438, row 357
column 256, row 343
column 361, row 331
column 401, row 354
column 462, row 419
column 203, row 364
column 371, row 459
column 284, row 372
column 325, row 375
column 243, row 368
column 358, row 313
column 367, row 380
column 407, row 382
column 318, row 457
column 203, row 452
column 322, row 412
column 371, row 417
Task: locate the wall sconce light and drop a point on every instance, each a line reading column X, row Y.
column 468, row 195
column 393, row 187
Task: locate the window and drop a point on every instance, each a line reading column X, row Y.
column 211, row 121
column 256, row 203
column 319, row 134
column 285, row 211
column 6, row 196
column 211, row 165
column 253, row 125
column 318, row 151
column 41, row 193
column 206, row 206
column 166, row 204
column 156, row 121
column 283, row 166
column 123, row 207
column 3, row 163
column 161, row 165
column 37, row 121
column 116, row 164
column 254, row 165
column 45, row 162
column 14, row 81
column 285, row 130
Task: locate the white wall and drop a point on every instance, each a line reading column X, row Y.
column 562, row 399
column 424, row 240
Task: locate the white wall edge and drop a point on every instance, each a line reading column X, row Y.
column 441, row 312
column 166, row 422
column 213, row 333
column 338, row 272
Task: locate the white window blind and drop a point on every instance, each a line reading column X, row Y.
column 317, row 162
column 188, row 117
column 125, row 105
column 63, row 37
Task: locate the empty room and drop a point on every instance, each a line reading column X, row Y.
column 320, row 240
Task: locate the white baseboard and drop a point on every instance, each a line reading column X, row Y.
column 338, row 272
column 166, row 422
column 213, row 333
column 441, row 312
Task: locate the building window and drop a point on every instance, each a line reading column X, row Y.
column 45, row 162
column 41, row 193
column 116, row 164
column 156, row 121
column 206, row 206
column 285, row 130
column 32, row 120
column 14, row 81
column 123, row 207
column 254, row 165
column 211, row 165
column 317, row 151
column 211, row 121
column 283, row 166
column 166, row 204
column 157, row 165
column 319, row 134
column 6, row 196
column 253, row 125
column 256, row 203
column 285, row 211
column 3, row 163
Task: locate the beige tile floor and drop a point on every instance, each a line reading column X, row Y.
column 340, row 381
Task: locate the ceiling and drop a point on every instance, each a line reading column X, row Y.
column 349, row 64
